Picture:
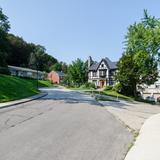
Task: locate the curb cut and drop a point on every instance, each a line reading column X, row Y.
column 43, row 94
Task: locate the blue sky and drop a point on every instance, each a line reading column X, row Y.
column 77, row 28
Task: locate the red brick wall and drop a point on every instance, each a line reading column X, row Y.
column 54, row 77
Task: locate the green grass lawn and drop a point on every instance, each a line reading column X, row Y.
column 13, row 88
column 80, row 89
column 113, row 94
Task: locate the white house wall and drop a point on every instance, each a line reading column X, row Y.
column 104, row 65
column 98, row 80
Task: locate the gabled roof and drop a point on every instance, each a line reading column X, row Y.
column 109, row 63
column 60, row 73
column 94, row 67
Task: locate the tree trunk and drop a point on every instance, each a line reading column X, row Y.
column 135, row 89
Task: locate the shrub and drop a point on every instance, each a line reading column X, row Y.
column 158, row 99
column 108, row 88
column 83, row 86
column 117, row 87
column 4, row 70
column 88, row 85
column 92, row 85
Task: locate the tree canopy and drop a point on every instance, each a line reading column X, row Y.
column 4, row 28
column 77, row 73
column 16, row 51
column 138, row 64
column 59, row 66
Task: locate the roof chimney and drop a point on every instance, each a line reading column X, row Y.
column 90, row 61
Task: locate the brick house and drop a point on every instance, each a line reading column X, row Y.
column 56, row 76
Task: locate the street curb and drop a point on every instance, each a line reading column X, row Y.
column 146, row 146
column 43, row 94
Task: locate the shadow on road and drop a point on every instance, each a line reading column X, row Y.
column 68, row 96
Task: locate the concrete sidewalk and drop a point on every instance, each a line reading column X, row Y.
column 16, row 102
column 147, row 145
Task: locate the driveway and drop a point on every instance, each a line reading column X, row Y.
column 64, row 125
column 133, row 114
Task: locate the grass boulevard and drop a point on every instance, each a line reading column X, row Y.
column 14, row 88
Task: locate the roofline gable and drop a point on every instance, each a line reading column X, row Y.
column 103, row 59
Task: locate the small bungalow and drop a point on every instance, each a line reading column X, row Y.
column 56, row 76
column 26, row 72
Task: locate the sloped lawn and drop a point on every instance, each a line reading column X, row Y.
column 13, row 88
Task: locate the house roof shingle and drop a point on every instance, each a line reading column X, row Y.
column 94, row 67
column 111, row 65
column 60, row 73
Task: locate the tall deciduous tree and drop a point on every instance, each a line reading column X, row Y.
column 40, row 58
column 19, row 51
column 59, row 66
column 4, row 28
column 77, row 72
column 138, row 65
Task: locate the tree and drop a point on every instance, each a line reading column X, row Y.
column 16, row 51
column 64, row 67
column 138, row 64
column 56, row 67
column 59, row 66
column 19, row 51
column 41, row 59
column 77, row 72
column 4, row 28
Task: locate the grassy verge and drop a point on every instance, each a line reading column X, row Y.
column 113, row 94
column 81, row 89
column 105, row 99
column 41, row 83
column 13, row 88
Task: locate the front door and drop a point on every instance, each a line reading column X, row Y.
column 102, row 83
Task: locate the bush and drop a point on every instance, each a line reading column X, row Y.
column 92, row 85
column 83, row 86
column 107, row 88
column 4, row 70
column 158, row 99
column 88, row 85
column 117, row 87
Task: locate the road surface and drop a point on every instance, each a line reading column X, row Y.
column 64, row 125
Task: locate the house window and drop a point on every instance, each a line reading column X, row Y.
column 94, row 74
column 102, row 73
column 158, row 86
column 102, row 65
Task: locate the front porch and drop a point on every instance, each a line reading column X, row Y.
column 101, row 83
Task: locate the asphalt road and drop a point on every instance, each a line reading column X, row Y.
column 64, row 125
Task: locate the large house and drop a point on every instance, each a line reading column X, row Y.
column 102, row 73
column 26, row 72
column 56, row 76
